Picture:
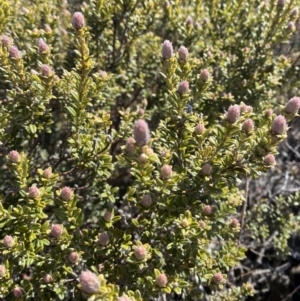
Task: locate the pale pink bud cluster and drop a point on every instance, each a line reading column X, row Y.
column 166, row 172
column 66, row 194
column 183, row 53
column 78, row 21
column 295, row 12
column 14, row 156
column 199, row 129
column 90, row 282
column 167, row 50
column 18, row 292
column 130, row 145
column 47, row 278
column 234, row 223
column 270, row 160
column 47, row 174
column 46, row 71
column 73, row 257
column 124, row 298
column 102, row 74
column 279, row 125
column 206, row 169
column 189, row 21
column 248, row 125
column 183, row 87
column 5, row 40
column 14, row 53
column 293, row 105
column 245, row 109
column 161, row 280
column 143, row 158
column 103, row 239
column 202, row 224
column 42, row 46
column 141, row 132
column 291, row 26
column 141, row 113
column 204, row 75
column 233, row 114
column 146, row 200
column 217, row 278
column 108, row 216
column 268, row 113
column 2, row 270
column 8, row 241
column 281, row 3
column 207, row 210
column 140, row 252
column 33, row 192
column 56, row 230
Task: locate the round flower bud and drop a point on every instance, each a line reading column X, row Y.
column 108, row 216
column 207, row 210
column 291, row 26
column 124, row 298
column 89, row 281
column 205, row 21
column 204, row 75
column 199, row 129
column 217, row 278
column 33, row 192
column 66, row 194
column 14, row 52
column 167, row 50
column 42, row 46
column 56, row 230
column 233, row 114
column 73, row 257
column 5, row 41
column 202, row 224
column 295, row 12
column 2, row 270
column 293, row 105
column 161, row 280
column 78, row 21
column 146, row 200
column 279, row 125
column 102, row 74
column 14, row 156
column 189, row 21
column 183, row 53
column 140, row 252
column 183, row 87
column 46, row 71
column 148, row 151
column 196, row 25
column 130, row 145
column 206, row 169
column 268, row 113
column 8, row 241
column 141, row 113
column 47, row 278
column 103, row 239
column 234, row 223
column 280, row 3
column 248, row 125
column 47, row 174
column 141, row 132
column 184, row 223
column 270, row 160
column 166, row 172
column 18, row 292
column 143, row 158
column 48, row 28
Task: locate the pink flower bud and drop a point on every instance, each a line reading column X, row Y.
column 295, row 12
column 78, row 21
column 291, row 26
column 56, row 230
column 280, row 3
column 167, row 50
column 202, row 224
column 183, row 87
column 234, row 223
column 124, row 298
column 233, row 114
column 73, row 257
column 270, row 160
column 14, row 53
column 161, row 280
column 42, row 46
column 204, row 75
column 47, row 174
column 140, row 252
column 196, row 25
column 130, row 145
column 268, row 113
column 279, row 125
column 48, row 28
column 47, row 278
column 33, row 192
column 189, row 21
column 102, row 74
column 89, row 281
column 206, row 169
column 143, row 158
column 199, row 129
column 205, row 21
column 66, row 194
column 141, row 113
column 5, row 41
column 108, row 216
column 8, row 241
column 18, row 292
column 166, row 172
column 14, row 156
column 46, row 71
column 248, row 125
column 146, row 200
column 293, row 105
column 183, row 53
column 104, row 239
column 207, row 210
column 141, row 132
column 2, row 270
column 217, row 278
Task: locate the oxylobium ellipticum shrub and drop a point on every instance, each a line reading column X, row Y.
column 126, row 129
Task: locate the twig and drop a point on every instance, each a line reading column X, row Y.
column 291, row 294
column 244, row 208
